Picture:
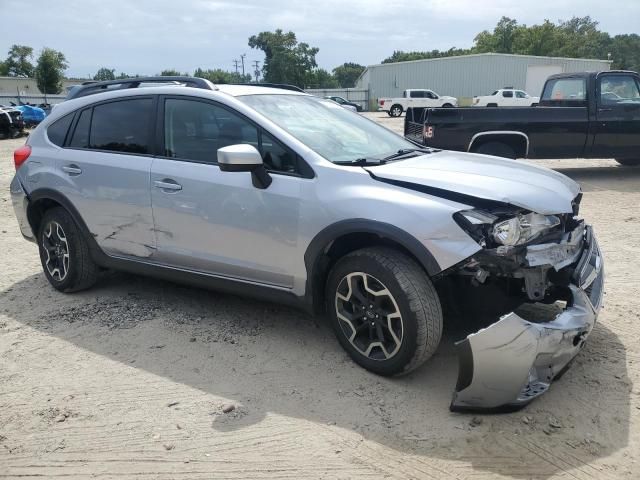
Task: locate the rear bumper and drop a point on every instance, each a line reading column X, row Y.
column 508, row 364
column 20, row 202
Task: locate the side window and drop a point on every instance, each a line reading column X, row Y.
column 431, row 95
column 507, row 93
column 277, row 157
column 619, row 89
column 57, row 131
column 122, row 126
column 566, row 89
column 520, row 94
column 195, row 130
column 80, row 138
column 417, row 94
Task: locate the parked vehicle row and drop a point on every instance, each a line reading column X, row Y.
column 12, row 123
column 345, row 103
column 282, row 195
column 580, row 115
column 414, row 98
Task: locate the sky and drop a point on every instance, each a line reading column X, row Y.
column 147, row 36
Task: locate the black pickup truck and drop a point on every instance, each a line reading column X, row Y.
column 580, row 115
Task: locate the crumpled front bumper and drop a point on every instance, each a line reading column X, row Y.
column 513, row 361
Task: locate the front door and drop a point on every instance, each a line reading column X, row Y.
column 617, row 129
column 217, row 222
column 105, row 168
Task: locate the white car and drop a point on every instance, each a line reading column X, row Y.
column 506, row 97
column 415, row 97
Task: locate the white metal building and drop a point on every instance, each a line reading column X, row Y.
column 470, row 75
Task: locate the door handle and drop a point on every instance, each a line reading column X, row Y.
column 168, row 184
column 72, row 169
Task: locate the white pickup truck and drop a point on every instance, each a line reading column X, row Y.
column 506, row 97
column 415, row 97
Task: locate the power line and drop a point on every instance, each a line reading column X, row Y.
column 256, row 66
column 242, row 59
column 236, row 62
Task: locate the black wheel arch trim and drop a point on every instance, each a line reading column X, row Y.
column 314, row 254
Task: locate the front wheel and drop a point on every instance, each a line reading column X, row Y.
column 628, row 162
column 64, row 253
column 384, row 310
column 447, row 105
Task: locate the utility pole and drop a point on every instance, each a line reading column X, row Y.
column 257, row 70
column 242, row 59
column 236, row 62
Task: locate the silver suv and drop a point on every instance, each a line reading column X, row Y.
column 277, row 194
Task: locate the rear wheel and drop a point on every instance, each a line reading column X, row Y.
column 395, row 111
column 497, row 149
column 384, row 310
column 64, row 253
column 447, row 105
column 628, row 162
column 492, row 104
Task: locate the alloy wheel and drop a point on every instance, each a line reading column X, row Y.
column 369, row 316
column 56, row 248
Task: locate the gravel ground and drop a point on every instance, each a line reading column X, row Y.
column 140, row 378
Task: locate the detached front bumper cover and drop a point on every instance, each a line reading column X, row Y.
column 513, row 361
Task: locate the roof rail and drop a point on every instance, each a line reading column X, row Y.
column 283, row 86
column 93, row 87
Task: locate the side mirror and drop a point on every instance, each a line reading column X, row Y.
column 244, row 158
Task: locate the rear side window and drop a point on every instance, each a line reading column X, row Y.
column 565, row 89
column 507, row 94
column 57, row 131
column 417, row 94
column 80, row 138
column 122, row 126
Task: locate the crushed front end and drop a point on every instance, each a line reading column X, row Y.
column 532, row 258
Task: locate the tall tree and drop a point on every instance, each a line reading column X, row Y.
column 170, row 72
column 286, row 60
column 320, row 78
column 49, row 71
column 502, row 38
column 401, row 56
column 18, row 62
column 4, row 71
column 105, row 74
column 222, row 76
column 347, row 74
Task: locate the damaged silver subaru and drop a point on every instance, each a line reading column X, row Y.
column 270, row 192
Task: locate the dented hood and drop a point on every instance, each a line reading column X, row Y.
column 516, row 182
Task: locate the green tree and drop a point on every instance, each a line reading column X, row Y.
column 18, row 62
column 105, row 74
column 400, row 56
column 320, row 78
column 347, row 74
column 542, row 40
column 625, row 52
column 220, row 76
column 172, row 73
column 4, row 71
column 49, row 71
column 502, row 38
column 286, row 60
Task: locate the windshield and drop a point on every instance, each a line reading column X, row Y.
column 337, row 134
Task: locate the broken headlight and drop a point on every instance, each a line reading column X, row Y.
column 523, row 228
column 515, row 230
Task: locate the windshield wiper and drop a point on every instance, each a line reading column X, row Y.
column 361, row 162
column 406, row 151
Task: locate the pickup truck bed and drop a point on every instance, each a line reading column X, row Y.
column 598, row 125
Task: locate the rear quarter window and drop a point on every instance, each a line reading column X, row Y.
column 57, row 131
column 565, row 90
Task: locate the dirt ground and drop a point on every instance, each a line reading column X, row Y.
column 132, row 378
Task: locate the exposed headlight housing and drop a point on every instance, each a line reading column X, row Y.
column 523, row 228
column 516, row 230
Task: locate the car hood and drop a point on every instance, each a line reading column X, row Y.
column 515, row 182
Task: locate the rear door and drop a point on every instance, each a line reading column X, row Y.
column 617, row 129
column 507, row 99
column 217, row 222
column 105, row 167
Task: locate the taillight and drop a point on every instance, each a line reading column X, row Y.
column 382, row 103
column 20, row 155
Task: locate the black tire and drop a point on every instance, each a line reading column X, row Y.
column 447, row 105
column 497, row 149
column 627, row 162
column 492, row 104
column 419, row 327
column 395, row 110
column 80, row 271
